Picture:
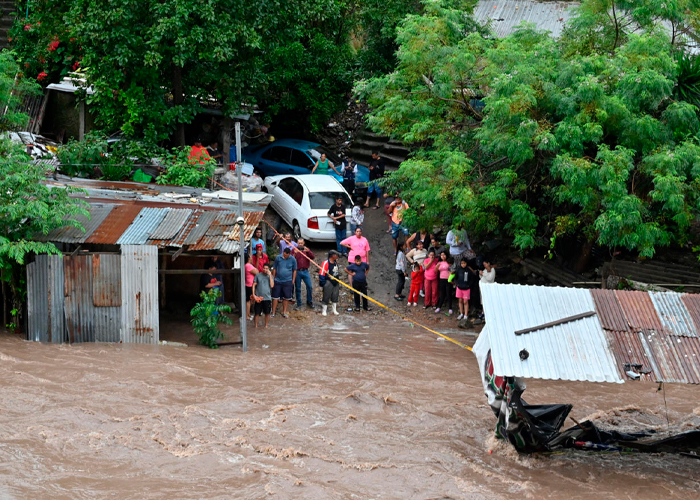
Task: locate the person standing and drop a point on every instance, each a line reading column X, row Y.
column 418, row 254
column 303, row 256
column 322, row 164
column 284, row 272
column 376, row 172
column 262, row 294
column 349, row 171
column 213, row 279
column 331, row 287
column 286, row 242
column 250, row 272
column 260, row 258
column 357, row 216
column 436, row 247
column 358, row 245
column 358, row 272
column 458, row 239
column 257, row 240
column 400, row 272
column 422, row 235
column 430, row 280
column 464, row 279
column 397, row 208
column 488, row 274
column 337, row 213
column 444, row 286
column 416, row 284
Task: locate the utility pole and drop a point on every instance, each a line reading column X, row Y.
column 241, row 246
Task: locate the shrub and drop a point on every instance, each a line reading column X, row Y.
column 180, row 171
column 206, row 317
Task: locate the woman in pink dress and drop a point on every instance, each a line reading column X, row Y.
column 358, row 245
column 430, row 280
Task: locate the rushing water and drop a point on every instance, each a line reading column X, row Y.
column 347, row 410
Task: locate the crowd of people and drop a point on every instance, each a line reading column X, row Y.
column 440, row 276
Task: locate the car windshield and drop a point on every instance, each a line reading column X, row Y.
column 323, row 201
column 316, row 155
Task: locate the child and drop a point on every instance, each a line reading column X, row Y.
column 400, row 271
column 416, row 284
column 262, row 294
column 464, row 279
column 444, row 285
column 430, row 282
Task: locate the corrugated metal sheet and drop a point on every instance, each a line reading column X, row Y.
column 111, row 229
column 577, row 350
column 222, row 234
column 639, row 310
column 139, row 311
column 172, row 224
column 78, row 308
column 142, row 226
column 203, row 223
column 609, row 311
column 673, row 314
column 106, row 280
column 181, row 237
column 69, row 234
column 45, row 299
column 692, row 304
column 629, row 347
column 506, row 15
column 107, row 324
column 676, row 359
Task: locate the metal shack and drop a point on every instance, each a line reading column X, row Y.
column 139, row 244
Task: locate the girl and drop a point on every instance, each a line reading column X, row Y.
column 400, row 271
column 430, row 280
column 357, row 218
column 416, row 284
column 444, row 286
column 464, row 279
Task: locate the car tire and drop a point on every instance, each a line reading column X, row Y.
column 296, row 230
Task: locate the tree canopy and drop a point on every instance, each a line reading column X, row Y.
column 529, row 137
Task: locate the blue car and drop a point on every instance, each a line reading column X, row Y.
column 293, row 156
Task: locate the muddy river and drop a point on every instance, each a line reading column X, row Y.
column 340, row 410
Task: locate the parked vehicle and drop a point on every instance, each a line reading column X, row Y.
column 293, row 156
column 303, row 202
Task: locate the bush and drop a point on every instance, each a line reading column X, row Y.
column 181, row 172
column 206, row 317
column 79, row 159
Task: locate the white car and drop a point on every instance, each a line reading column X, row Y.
column 303, row 202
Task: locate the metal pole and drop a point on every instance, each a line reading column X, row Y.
column 241, row 247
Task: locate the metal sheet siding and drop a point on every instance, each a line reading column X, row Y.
column 692, row 305
column 106, row 280
column 172, row 224
column 609, row 311
column 139, row 311
column 673, row 314
column 505, row 15
column 79, row 310
column 111, row 229
column 45, row 299
column 107, row 324
column 639, row 310
column 577, row 350
column 142, row 226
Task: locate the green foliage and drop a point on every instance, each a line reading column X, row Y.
column 13, row 86
column 688, row 84
column 520, row 137
column 207, row 316
column 180, row 171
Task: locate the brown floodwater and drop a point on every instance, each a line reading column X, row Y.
column 337, row 409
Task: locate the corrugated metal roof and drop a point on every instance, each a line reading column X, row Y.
column 111, row 229
column 676, row 359
column 222, row 231
column 142, row 226
column 639, row 310
column 180, row 238
column 200, row 229
column 69, row 234
column 172, row 224
column 673, row 313
column 629, row 347
column 692, row 304
column 505, row 15
column 609, row 311
column 576, row 350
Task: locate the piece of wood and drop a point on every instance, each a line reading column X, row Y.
column 568, row 319
column 197, row 271
column 81, row 124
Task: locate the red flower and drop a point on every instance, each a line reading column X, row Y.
column 42, row 75
column 27, row 27
column 53, row 45
column 72, row 40
column 76, row 65
column 26, row 65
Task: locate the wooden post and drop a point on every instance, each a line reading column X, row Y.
column 227, row 142
column 164, row 265
column 81, row 126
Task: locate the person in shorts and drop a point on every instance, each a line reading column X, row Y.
column 464, row 279
column 284, row 272
column 262, row 294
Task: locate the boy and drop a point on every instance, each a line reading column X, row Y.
column 358, row 272
column 262, row 294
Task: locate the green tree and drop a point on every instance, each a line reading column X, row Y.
column 13, row 87
column 528, row 139
column 207, row 315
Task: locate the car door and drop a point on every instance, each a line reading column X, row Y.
column 296, row 211
column 302, row 163
column 275, row 161
column 283, row 201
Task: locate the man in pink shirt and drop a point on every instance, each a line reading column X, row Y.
column 358, row 245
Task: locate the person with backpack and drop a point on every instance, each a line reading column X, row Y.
column 331, row 287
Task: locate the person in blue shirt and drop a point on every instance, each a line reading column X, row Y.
column 257, row 239
column 358, row 272
column 284, row 271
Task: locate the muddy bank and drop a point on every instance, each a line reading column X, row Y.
column 339, row 410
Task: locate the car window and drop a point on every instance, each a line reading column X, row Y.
column 323, row 201
column 300, row 159
column 277, row 153
column 293, row 188
column 316, row 155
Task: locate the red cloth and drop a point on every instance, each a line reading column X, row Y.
column 198, row 155
column 415, row 292
column 259, row 262
column 431, row 292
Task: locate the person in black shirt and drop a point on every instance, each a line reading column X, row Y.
column 349, row 169
column 358, row 272
column 213, row 279
column 215, row 153
column 376, row 172
column 337, row 213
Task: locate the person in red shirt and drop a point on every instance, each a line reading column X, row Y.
column 260, row 258
column 416, row 284
column 198, row 154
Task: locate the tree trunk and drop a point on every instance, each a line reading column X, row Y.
column 178, row 99
column 584, row 256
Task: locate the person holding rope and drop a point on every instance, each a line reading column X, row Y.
column 331, row 287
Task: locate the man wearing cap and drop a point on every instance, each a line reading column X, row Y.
column 303, row 256
column 331, row 287
column 337, row 213
column 284, row 271
column 260, row 258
